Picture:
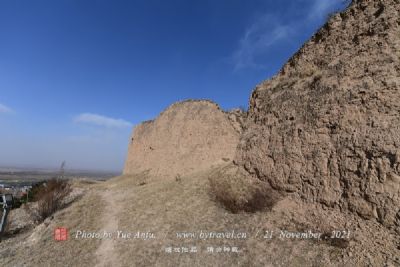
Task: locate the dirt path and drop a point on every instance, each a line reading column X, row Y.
column 106, row 253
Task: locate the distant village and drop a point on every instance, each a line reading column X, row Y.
column 17, row 190
column 19, row 182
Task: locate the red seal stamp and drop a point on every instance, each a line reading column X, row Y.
column 60, row 234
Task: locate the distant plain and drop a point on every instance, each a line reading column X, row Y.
column 13, row 176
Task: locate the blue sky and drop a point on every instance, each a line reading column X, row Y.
column 75, row 75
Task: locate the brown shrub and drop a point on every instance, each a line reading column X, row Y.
column 237, row 191
column 50, row 196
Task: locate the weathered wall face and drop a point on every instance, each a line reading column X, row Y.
column 327, row 127
column 188, row 136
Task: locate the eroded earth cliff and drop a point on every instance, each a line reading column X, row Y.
column 188, row 136
column 327, row 127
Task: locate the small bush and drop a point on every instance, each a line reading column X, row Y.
column 50, row 196
column 237, row 191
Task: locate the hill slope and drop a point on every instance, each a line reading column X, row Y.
column 166, row 208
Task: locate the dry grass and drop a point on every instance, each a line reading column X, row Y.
column 50, row 197
column 38, row 248
column 237, row 191
column 166, row 207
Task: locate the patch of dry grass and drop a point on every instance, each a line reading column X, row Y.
column 38, row 248
column 237, row 191
column 165, row 207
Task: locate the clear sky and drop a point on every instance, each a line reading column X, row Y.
column 76, row 75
